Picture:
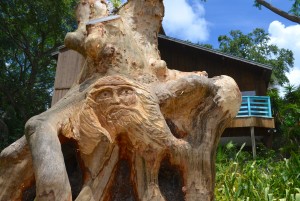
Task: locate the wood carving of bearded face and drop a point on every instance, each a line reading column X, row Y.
column 116, row 102
column 119, row 114
column 116, row 105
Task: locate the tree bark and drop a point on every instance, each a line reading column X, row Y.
column 279, row 12
column 133, row 121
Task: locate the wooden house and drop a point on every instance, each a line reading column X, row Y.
column 252, row 78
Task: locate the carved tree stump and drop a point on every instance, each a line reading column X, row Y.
column 139, row 130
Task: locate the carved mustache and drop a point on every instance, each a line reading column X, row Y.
column 113, row 111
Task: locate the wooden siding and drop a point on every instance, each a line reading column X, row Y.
column 249, row 77
column 58, row 94
column 69, row 65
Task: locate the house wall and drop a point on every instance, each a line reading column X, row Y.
column 185, row 58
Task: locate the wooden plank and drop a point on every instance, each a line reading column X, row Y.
column 58, row 94
column 252, row 122
column 69, row 65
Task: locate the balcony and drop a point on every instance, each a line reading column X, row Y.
column 255, row 111
column 255, row 106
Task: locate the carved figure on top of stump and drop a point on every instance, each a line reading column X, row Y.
column 132, row 120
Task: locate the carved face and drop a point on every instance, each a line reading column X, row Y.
column 117, row 106
column 116, row 101
column 120, row 105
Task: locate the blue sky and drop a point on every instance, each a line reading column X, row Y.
column 203, row 22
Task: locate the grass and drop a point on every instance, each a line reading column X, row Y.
column 268, row 178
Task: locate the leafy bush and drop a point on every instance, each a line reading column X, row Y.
column 266, row 178
column 286, row 112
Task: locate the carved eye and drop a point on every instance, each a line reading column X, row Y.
column 105, row 94
column 126, row 92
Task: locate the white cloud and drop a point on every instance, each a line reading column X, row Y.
column 288, row 37
column 294, row 76
column 185, row 21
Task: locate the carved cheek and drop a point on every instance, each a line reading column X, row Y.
column 127, row 96
column 129, row 100
column 104, row 104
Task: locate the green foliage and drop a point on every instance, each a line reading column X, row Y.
column 255, row 47
column 295, row 10
column 267, row 178
column 209, row 46
column 29, row 32
column 116, row 3
column 286, row 111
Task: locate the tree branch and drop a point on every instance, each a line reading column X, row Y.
column 282, row 13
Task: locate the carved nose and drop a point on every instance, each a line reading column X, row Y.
column 116, row 99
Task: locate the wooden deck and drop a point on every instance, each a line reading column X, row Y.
column 252, row 122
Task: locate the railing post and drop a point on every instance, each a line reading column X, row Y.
column 269, row 107
column 249, row 106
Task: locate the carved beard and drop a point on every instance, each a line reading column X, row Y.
column 147, row 124
column 142, row 122
column 125, row 108
column 120, row 118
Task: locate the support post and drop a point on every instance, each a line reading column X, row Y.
column 253, row 142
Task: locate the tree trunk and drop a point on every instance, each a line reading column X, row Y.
column 138, row 130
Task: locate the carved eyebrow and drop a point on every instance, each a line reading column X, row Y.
column 110, row 85
column 125, row 87
column 98, row 89
column 120, row 90
column 105, row 88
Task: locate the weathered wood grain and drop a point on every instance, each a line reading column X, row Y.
column 126, row 115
